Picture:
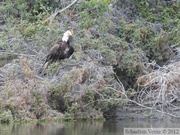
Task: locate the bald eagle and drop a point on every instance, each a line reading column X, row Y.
column 62, row 50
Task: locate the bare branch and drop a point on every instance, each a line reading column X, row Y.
column 18, row 54
column 51, row 18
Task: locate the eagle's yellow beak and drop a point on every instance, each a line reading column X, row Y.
column 70, row 34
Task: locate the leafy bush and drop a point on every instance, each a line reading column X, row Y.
column 163, row 12
column 92, row 11
column 27, row 10
column 82, row 91
column 6, row 117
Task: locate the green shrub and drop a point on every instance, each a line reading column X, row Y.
column 39, row 106
column 27, row 10
column 162, row 12
column 6, row 117
column 92, row 11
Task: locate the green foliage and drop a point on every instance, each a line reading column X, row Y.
column 108, row 54
column 39, row 105
column 25, row 9
column 68, row 116
column 72, row 112
column 109, row 107
column 88, row 21
column 20, row 115
column 89, row 104
column 132, row 61
column 146, row 39
column 59, row 96
column 72, row 108
column 103, row 47
column 142, row 37
column 109, row 94
column 52, row 67
column 92, row 11
column 89, row 97
column 131, row 92
column 28, row 30
column 159, row 13
column 6, row 117
column 60, row 99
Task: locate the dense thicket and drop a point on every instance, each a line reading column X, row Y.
column 116, row 43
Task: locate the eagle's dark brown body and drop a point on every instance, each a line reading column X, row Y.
column 59, row 51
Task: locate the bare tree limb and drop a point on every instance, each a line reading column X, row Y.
column 51, row 18
column 17, row 54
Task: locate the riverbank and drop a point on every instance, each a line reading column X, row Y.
column 126, row 55
column 137, row 112
column 112, row 127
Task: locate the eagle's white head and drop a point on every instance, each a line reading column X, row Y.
column 66, row 36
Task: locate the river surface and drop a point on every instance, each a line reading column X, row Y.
column 113, row 127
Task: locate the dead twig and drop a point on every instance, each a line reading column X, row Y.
column 38, row 77
column 51, row 18
column 18, row 54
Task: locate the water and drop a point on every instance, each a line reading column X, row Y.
column 114, row 127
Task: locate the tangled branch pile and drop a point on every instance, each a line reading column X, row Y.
column 160, row 90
